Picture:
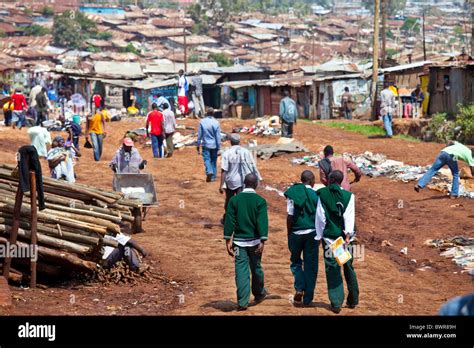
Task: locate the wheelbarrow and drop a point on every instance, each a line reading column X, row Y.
column 137, row 187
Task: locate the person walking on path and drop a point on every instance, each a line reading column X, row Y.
column 288, row 115
column 95, row 128
column 156, row 133
column 449, row 156
column 170, row 128
column 183, row 88
column 19, row 108
column 346, row 104
column 331, row 162
column 209, row 137
column 300, row 222
column 335, row 217
column 236, row 163
column 41, row 106
column 245, row 232
column 387, row 108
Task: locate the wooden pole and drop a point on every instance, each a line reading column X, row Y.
column 185, row 52
column 384, row 32
column 424, row 39
column 471, row 11
column 34, row 228
column 15, row 226
column 375, row 58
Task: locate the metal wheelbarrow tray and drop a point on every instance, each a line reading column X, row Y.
column 138, row 187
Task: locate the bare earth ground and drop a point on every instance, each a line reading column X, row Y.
column 185, row 238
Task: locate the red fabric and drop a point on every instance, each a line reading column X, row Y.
column 339, row 163
column 155, row 119
column 19, row 102
column 97, row 100
column 183, row 104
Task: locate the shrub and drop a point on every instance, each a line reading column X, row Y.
column 465, row 120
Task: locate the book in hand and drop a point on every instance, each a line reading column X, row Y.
column 340, row 252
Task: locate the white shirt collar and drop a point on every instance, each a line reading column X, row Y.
column 308, row 186
column 248, row 190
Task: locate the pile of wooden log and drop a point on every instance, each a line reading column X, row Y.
column 70, row 231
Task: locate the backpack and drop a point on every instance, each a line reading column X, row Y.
column 325, row 165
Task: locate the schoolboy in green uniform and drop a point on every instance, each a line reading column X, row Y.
column 335, row 216
column 301, row 209
column 245, row 232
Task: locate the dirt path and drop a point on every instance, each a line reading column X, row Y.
column 185, row 236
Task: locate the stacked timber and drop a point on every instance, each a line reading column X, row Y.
column 70, row 231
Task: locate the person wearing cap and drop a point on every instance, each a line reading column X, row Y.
column 236, row 163
column 60, row 161
column 209, row 137
column 127, row 159
column 449, row 156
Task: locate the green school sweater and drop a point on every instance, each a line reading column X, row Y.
column 305, row 201
column 334, row 201
column 246, row 217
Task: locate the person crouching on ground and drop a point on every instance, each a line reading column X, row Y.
column 60, row 161
column 449, row 156
column 127, row 159
column 301, row 208
column 126, row 250
column 245, row 232
column 335, row 217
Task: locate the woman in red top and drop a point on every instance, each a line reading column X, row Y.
column 19, row 106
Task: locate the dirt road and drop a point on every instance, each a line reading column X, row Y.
column 185, row 237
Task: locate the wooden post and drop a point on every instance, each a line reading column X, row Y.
column 14, row 230
column 424, row 38
column 185, row 52
column 33, row 224
column 384, row 32
column 375, row 59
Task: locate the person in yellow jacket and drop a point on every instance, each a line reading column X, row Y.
column 7, row 113
column 95, row 127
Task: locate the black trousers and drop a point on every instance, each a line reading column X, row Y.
column 123, row 253
column 228, row 195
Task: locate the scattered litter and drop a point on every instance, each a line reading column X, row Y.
column 458, row 248
column 424, row 268
column 404, row 251
column 413, row 261
column 386, row 243
column 456, row 205
column 375, row 165
column 269, row 188
column 267, row 151
column 265, row 126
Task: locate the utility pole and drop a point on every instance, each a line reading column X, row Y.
column 384, row 32
column 375, row 58
column 472, row 26
column 185, row 52
column 424, row 38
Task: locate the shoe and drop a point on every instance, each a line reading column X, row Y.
column 453, row 197
column 241, row 309
column 417, row 188
column 222, row 222
column 261, row 298
column 351, row 306
column 298, row 296
column 208, row 177
column 335, row 310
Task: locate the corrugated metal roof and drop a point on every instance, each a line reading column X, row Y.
column 236, row 69
column 174, row 68
column 406, row 66
column 119, row 69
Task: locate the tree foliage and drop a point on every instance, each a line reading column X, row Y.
column 221, row 59
column 47, row 11
column 411, row 24
column 72, row 28
column 36, row 30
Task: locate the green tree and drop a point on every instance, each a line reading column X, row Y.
column 131, row 49
column 411, row 24
column 36, row 30
column 221, row 59
column 193, row 58
column 67, row 31
column 103, row 35
column 458, row 30
column 47, row 11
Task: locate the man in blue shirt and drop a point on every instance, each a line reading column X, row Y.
column 209, row 137
column 288, row 115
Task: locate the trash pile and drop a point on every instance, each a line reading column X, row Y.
column 71, row 228
column 265, row 126
column 459, row 248
column 374, row 165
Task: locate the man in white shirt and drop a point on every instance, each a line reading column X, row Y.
column 39, row 137
column 387, row 108
column 335, row 216
column 183, row 87
column 236, row 163
column 170, row 127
